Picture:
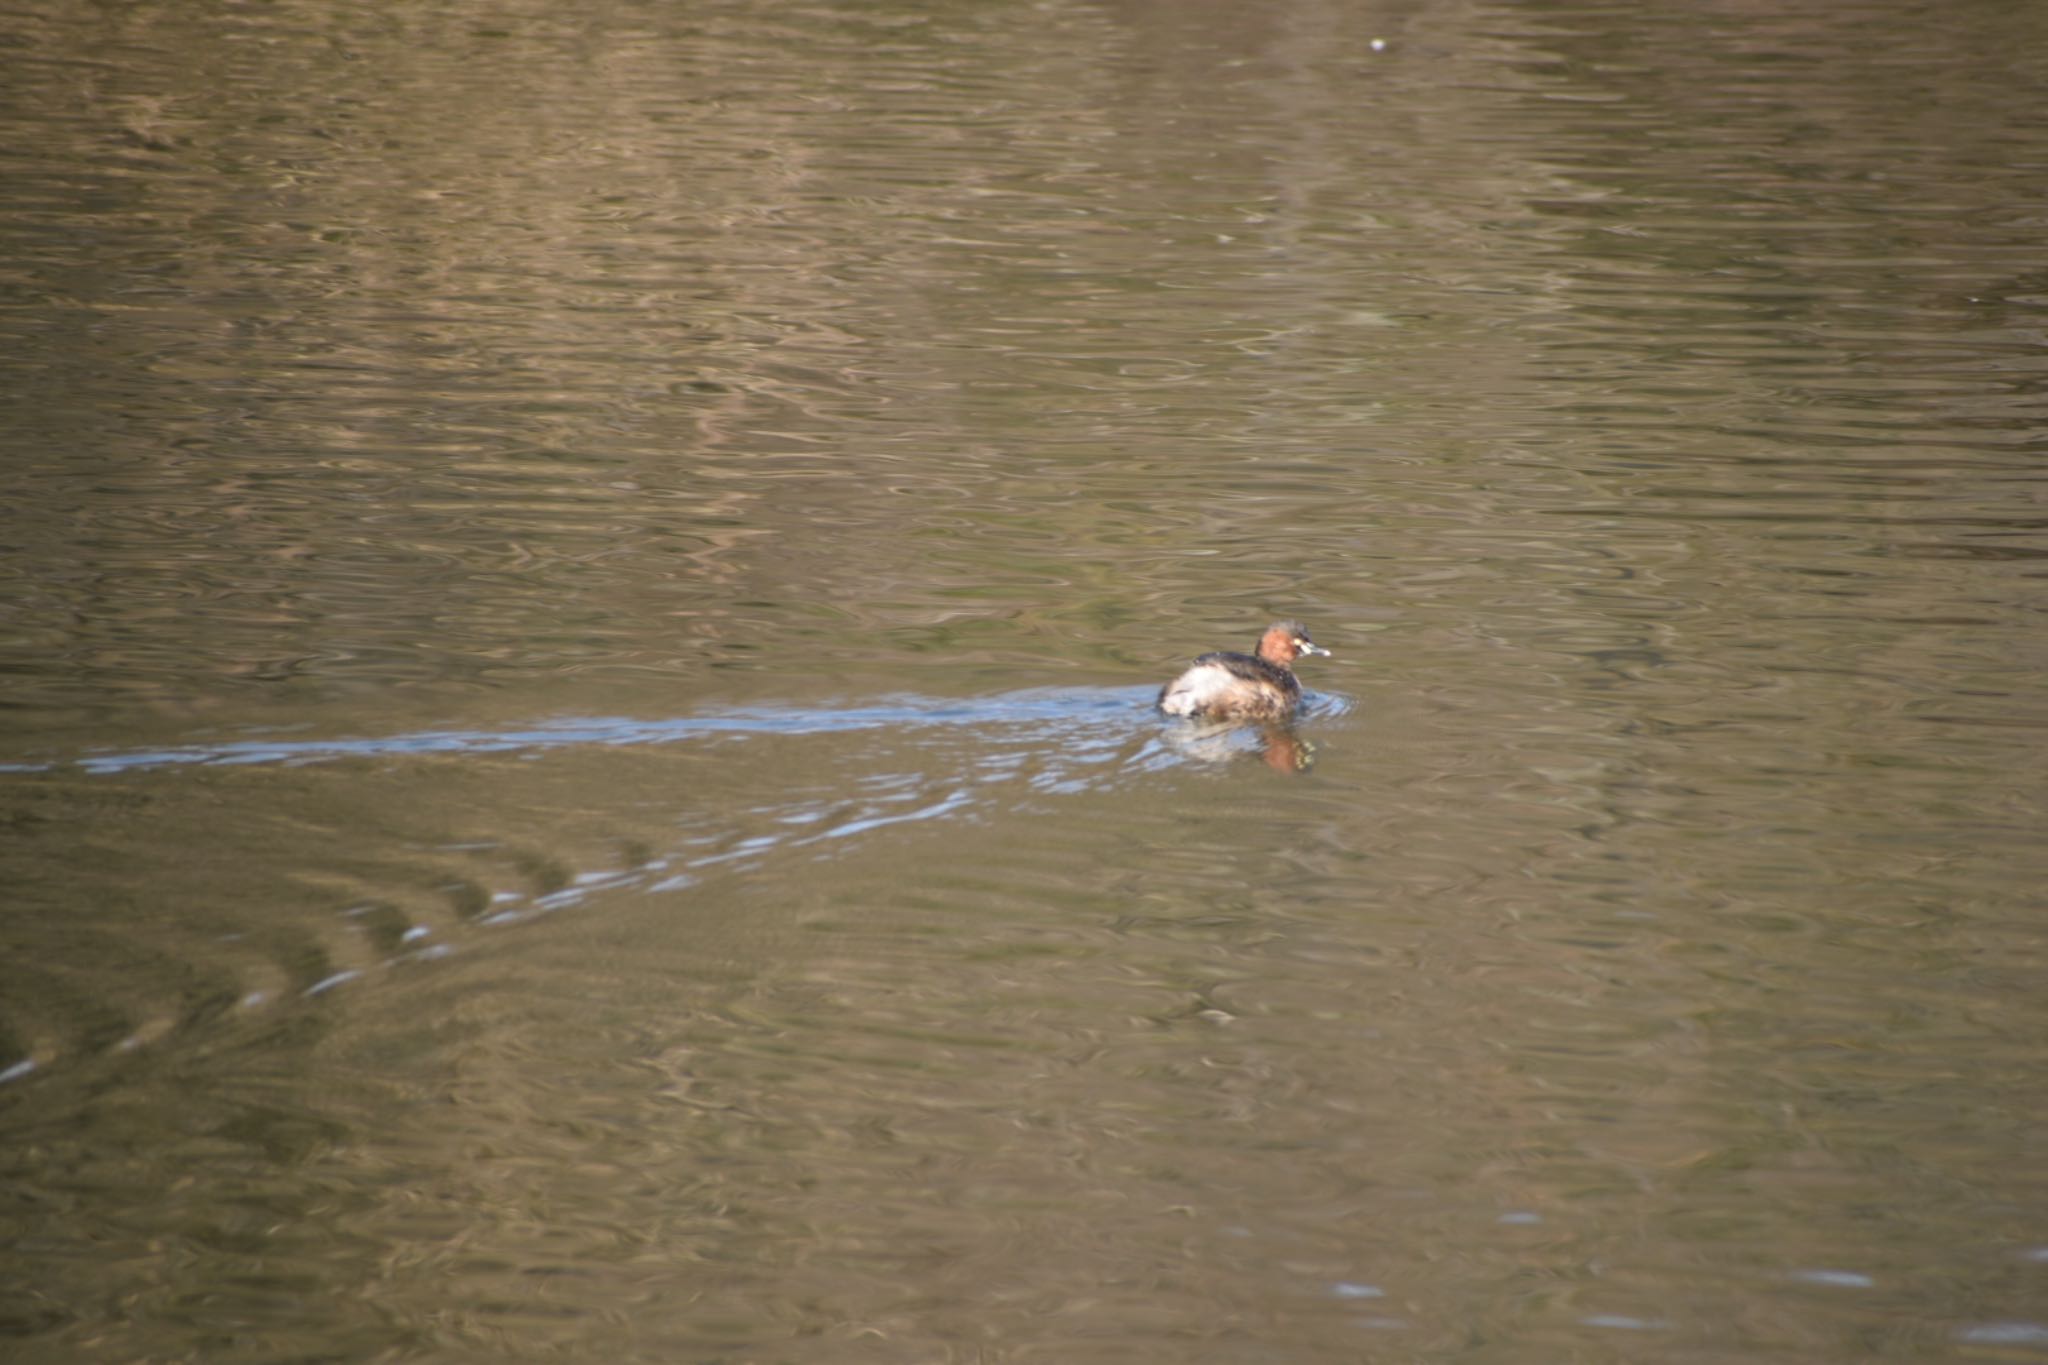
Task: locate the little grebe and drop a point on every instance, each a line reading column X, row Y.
column 1227, row 686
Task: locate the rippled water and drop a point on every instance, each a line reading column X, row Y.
column 581, row 595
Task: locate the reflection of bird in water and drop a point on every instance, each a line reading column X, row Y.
column 1284, row 751
column 1277, row 746
column 1230, row 686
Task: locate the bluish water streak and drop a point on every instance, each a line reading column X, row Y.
column 1055, row 712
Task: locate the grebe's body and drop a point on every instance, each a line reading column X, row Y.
column 1256, row 686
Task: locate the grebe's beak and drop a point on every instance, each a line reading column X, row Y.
column 1311, row 647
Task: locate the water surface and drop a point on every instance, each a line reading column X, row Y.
column 581, row 593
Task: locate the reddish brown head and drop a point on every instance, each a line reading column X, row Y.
column 1286, row 641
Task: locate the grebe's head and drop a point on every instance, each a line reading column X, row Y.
column 1286, row 641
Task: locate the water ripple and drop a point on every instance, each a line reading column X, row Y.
column 1049, row 712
